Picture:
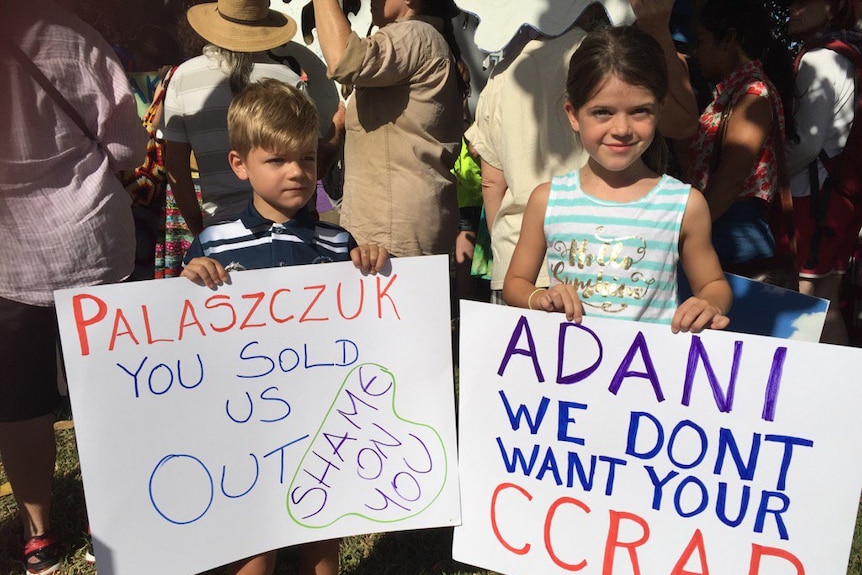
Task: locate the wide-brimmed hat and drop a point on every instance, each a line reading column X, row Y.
column 241, row 25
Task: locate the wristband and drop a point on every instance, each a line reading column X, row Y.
column 530, row 299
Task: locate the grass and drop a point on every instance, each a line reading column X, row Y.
column 426, row 552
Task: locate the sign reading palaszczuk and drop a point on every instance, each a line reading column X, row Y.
column 616, row 447
column 296, row 404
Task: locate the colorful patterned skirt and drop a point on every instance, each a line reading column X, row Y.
column 174, row 237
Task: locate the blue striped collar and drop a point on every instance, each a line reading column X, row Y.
column 300, row 225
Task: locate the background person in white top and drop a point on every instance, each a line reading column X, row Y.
column 823, row 113
column 195, row 114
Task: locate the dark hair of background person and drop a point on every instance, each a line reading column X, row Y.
column 631, row 55
column 190, row 41
column 843, row 15
column 755, row 34
column 447, row 10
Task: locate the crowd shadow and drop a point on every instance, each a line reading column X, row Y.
column 418, row 552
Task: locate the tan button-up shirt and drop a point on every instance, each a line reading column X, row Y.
column 404, row 127
column 521, row 129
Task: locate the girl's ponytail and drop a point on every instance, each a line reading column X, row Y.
column 657, row 155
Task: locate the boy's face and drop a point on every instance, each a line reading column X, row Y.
column 283, row 180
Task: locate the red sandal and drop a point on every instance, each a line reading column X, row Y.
column 42, row 554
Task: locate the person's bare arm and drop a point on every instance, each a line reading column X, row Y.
column 748, row 127
column 333, row 30
column 494, row 187
column 519, row 287
column 179, row 169
column 712, row 297
column 679, row 115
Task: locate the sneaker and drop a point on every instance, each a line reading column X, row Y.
column 89, row 557
column 42, row 554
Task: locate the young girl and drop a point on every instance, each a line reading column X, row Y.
column 614, row 230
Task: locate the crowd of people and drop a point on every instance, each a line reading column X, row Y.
column 603, row 181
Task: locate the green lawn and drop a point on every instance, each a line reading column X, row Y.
column 426, row 552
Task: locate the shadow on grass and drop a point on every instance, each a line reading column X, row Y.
column 425, row 552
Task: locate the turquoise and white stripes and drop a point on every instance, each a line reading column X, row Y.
column 621, row 257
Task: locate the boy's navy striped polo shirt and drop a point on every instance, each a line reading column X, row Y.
column 254, row 242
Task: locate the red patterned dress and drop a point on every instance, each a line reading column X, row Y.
column 747, row 79
column 762, row 181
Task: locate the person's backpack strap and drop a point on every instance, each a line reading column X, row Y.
column 786, row 223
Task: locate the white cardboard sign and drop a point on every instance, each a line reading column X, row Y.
column 296, row 404
column 620, row 448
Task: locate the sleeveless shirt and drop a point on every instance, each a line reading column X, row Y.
column 621, row 257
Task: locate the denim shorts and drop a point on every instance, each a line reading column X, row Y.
column 742, row 234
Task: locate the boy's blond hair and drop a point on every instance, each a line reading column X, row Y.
column 271, row 115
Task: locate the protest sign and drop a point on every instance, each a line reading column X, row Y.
column 617, row 447
column 296, row 404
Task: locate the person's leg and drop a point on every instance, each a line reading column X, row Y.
column 28, row 451
column 319, row 557
column 28, row 388
column 828, row 287
column 262, row 564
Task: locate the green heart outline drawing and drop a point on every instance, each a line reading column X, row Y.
column 299, row 469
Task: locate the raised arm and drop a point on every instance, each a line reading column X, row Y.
column 333, row 30
column 679, row 116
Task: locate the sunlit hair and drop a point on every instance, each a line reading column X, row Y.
column 633, row 57
column 273, row 116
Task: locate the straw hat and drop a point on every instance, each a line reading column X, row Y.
column 241, row 25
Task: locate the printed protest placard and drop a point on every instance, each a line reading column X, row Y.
column 617, row 447
column 296, row 404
